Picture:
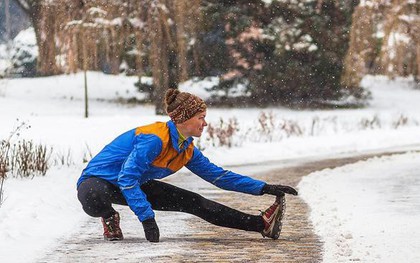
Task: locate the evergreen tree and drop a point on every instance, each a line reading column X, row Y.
column 290, row 51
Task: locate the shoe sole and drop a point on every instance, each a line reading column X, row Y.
column 277, row 225
column 113, row 238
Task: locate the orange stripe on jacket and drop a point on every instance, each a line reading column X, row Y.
column 169, row 157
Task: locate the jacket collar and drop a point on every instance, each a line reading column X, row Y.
column 174, row 137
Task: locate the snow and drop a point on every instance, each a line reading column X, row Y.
column 204, row 87
column 347, row 202
column 367, row 211
column 4, row 59
column 36, row 211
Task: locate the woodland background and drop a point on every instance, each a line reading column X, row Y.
column 310, row 53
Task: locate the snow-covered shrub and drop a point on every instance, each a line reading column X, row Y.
column 269, row 128
column 4, row 60
column 23, row 54
column 29, row 159
column 223, row 133
column 145, row 86
column 23, row 158
column 87, row 155
column 3, row 167
column 64, row 158
column 266, row 124
column 370, row 123
column 218, row 90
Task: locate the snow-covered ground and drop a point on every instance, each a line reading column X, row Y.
column 47, row 206
column 368, row 211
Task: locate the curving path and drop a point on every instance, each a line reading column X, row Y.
column 185, row 238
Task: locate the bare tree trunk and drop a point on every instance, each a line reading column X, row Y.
column 7, row 17
column 44, row 26
column 159, row 55
column 180, row 8
column 417, row 75
column 85, row 66
column 361, row 53
column 398, row 52
column 195, row 28
column 139, row 58
column 159, row 61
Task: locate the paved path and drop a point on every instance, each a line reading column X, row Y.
column 185, row 238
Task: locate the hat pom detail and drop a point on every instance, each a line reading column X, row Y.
column 171, row 95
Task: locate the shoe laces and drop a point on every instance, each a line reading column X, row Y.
column 111, row 224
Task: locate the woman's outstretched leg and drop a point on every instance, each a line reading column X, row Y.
column 167, row 197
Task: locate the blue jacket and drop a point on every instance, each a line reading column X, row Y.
column 152, row 152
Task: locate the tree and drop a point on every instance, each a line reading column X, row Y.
column 363, row 46
column 384, row 40
column 399, row 54
column 290, row 51
column 168, row 42
column 158, row 32
column 44, row 26
column 7, row 18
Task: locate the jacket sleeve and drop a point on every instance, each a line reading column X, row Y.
column 228, row 180
column 146, row 149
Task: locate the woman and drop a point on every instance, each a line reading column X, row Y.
column 125, row 172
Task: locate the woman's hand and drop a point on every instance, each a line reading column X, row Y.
column 278, row 189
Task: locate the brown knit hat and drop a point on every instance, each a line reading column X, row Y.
column 181, row 106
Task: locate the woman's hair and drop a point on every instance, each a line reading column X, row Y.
column 181, row 106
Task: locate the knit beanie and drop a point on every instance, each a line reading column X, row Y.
column 181, row 106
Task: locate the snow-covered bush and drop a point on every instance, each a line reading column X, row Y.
column 145, row 86
column 23, row 158
column 4, row 60
column 3, row 169
column 218, row 91
column 270, row 128
column 23, row 54
column 223, row 133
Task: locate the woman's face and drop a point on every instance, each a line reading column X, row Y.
column 193, row 126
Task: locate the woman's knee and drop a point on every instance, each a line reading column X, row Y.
column 88, row 190
column 92, row 194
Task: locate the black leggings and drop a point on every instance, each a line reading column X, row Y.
column 97, row 196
